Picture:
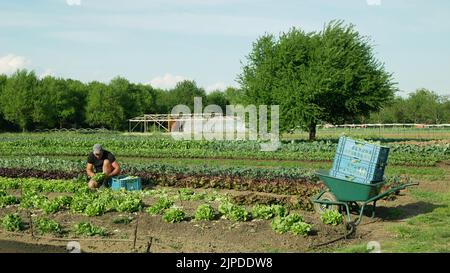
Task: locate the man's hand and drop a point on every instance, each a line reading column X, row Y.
column 93, row 184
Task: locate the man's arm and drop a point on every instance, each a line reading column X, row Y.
column 116, row 169
column 90, row 170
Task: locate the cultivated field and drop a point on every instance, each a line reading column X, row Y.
column 219, row 196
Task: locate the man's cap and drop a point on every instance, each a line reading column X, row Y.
column 97, row 148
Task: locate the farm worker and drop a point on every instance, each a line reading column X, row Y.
column 100, row 160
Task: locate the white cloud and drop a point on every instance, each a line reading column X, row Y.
column 167, row 81
column 10, row 63
column 217, row 86
column 73, row 2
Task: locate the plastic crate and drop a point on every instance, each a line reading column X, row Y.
column 352, row 178
column 371, row 153
column 126, row 182
column 357, row 170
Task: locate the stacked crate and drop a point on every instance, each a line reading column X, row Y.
column 359, row 161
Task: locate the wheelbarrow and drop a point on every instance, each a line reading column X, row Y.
column 350, row 195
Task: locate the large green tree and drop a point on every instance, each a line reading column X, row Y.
column 76, row 99
column 184, row 93
column 422, row 106
column 44, row 102
column 394, row 112
column 17, row 98
column 135, row 99
column 4, row 124
column 235, row 96
column 445, row 108
column 122, row 89
column 58, row 103
column 103, row 107
column 3, row 79
column 163, row 101
column 146, row 99
column 217, row 98
column 327, row 76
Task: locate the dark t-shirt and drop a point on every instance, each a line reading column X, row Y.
column 98, row 163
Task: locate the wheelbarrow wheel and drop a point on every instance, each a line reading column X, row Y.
column 327, row 196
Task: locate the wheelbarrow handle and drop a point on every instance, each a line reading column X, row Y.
column 404, row 186
column 388, row 192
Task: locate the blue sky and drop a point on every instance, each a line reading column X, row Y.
column 162, row 42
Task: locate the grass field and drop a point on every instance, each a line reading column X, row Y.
column 378, row 133
column 424, row 233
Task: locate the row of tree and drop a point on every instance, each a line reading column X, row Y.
column 28, row 103
column 422, row 106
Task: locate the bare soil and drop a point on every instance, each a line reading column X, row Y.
column 20, row 247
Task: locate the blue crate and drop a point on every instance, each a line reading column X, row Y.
column 126, row 182
column 351, row 178
column 357, row 170
column 362, row 150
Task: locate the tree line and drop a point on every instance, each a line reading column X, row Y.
column 28, row 102
column 422, row 106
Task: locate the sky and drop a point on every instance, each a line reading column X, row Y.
column 162, row 42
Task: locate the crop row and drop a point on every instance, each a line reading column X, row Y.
column 78, row 198
column 120, row 141
column 290, row 180
column 81, row 200
column 158, row 147
column 302, row 189
column 294, row 181
column 74, row 165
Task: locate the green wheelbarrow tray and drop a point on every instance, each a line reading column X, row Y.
column 348, row 193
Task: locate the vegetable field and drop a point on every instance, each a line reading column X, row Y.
column 201, row 196
column 413, row 153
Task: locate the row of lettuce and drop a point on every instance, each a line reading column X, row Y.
column 162, row 147
column 74, row 196
column 284, row 181
column 303, row 183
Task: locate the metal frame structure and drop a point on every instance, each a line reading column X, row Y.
column 164, row 120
